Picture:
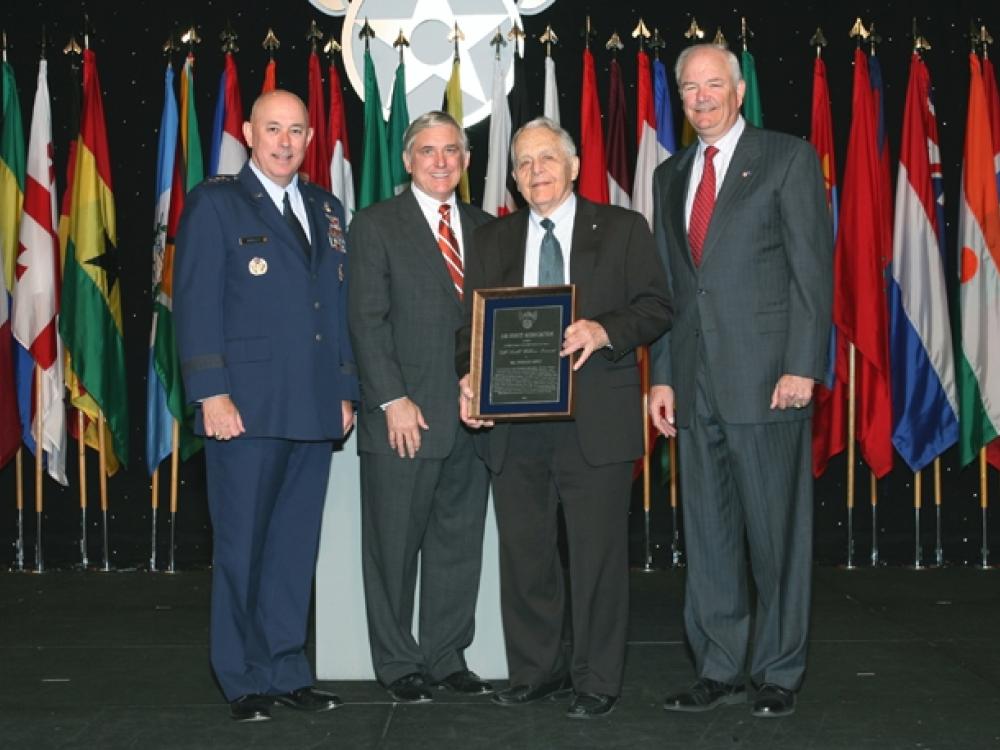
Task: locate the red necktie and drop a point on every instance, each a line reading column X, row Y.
column 704, row 203
column 449, row 248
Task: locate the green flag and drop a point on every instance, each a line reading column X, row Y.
column 751, row 97
column 11, row 172
column 399, row 120
column 376, row 176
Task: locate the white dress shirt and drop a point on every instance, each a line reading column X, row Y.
column 277, row 194
column 563, row 218
column 430, row 208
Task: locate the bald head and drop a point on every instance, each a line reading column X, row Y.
column 278, row 132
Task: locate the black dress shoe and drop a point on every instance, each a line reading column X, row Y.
column 465, row 682
column 705, row 695
column 518, row 695
column 309, row 699
column 590, row 705
column 410, row 688
column 773, row 702
column 253, row 707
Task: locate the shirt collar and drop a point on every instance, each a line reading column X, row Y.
column 566, row 210
column 727, row 143
column 430, row 204
column 276, row 191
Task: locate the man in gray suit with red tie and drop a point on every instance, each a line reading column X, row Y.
column 742, row 227
column 423, row 488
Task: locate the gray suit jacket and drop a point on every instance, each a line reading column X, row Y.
column 759, row 305
column 403, row 312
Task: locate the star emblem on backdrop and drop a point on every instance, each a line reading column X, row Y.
column 428, row 24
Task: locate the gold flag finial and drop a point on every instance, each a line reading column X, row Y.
column 657, row 43
column 456, row 36
column 694, row 32
column 720, row 39
column 314, row 36
column 367, row 33
column 614, row 44
column 400, row 43
column 169, row 46
column 72, row 46
column 818, row 40
column 641, row 32
column 873, row 38
column 858, row 31
column 271, row 42
column 498, row 41
column 516, row 35
column 920, row 43
column 332, row 46
column 548, row 38
column 190, row 37
column 228, row 37
column 746, row 34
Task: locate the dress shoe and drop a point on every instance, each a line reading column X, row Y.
column 410, row 688
column 253, row 707
column 465, row 682
column 705, row 695
column 309, row 699
column 518, row 695
column 590, row 705
column 773, row 702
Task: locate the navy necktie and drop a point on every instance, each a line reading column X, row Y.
column 295, row 226
column 550, row 259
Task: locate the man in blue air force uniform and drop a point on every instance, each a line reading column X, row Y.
column 260, row 310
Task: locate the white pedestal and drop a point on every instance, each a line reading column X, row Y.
column 342, row 650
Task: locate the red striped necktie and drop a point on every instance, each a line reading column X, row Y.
column 449, row 248
column 704, row 204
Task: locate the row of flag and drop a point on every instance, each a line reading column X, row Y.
column 927, row 377
column 927, row 371
column 61, row 317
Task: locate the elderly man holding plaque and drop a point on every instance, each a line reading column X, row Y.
column 584, row 461
column 423, row 488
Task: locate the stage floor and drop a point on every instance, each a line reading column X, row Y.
column 898, row 659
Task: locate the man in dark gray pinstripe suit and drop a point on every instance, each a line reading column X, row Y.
column 742, row 227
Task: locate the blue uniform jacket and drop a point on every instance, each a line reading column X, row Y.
column 258, row 319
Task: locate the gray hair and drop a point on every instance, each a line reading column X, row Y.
column 565, row 139
column 731, row 60
column 431, row 120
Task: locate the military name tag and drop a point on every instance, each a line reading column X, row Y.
column 258, row 266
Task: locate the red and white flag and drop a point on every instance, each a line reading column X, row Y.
column 36, row 289
column 496, row 199
column 341, row 175
column 316, row 164
column 648, row 153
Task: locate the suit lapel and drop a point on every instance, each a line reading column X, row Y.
column 682, row 178
column 739, row 178
column 423, row 241
column 513, row 246
column 583, row 254
column 269, row 213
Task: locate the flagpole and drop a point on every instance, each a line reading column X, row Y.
column 917, row 491
column 103, row 474
column 938, row 549
column 676, row 554
column 19, row 478
column 82, row 462
column 174, row 464
column 873, row 493
column 39, row 448
column 984, row 501
column 646, row 447
column 852, row 398
column 154, row 502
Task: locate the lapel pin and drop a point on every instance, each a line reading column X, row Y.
column 258, row 266
column 594, row 226
column 746, row 173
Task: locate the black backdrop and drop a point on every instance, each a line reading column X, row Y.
column 128, row 38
